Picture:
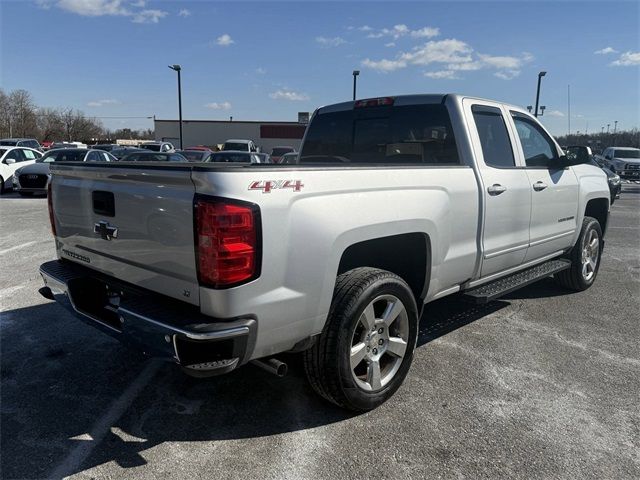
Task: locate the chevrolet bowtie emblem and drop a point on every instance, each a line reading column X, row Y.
column 106, row 231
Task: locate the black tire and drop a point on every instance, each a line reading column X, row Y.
column 1, row 185
column 574, row 278
column 328, row 363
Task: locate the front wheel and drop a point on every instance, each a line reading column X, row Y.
column 585, row 258
column 366, row 348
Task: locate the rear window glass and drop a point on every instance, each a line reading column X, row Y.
column 412, row 134
column 243, row 147
column 494, row 138
column 230, row 157
column 192, row 155
column 152, row 147
column 8, row 143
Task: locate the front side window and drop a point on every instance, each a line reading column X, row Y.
column 537, row 147
column 494, row 138
column 30, row 155
column 382, row 134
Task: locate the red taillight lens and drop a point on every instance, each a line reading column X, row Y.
column 226, row 242
column 52, row 218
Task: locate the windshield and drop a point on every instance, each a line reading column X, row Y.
column 230, row 157
column 243, row 147
column 385, row 134
column 626, row 153
column 151, row 146
column 8, row 143
column 62, row 155
column 278, row 152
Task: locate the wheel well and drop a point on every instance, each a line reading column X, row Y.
column 407, row 255
column 598, row 208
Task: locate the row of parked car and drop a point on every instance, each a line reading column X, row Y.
column 24, row 166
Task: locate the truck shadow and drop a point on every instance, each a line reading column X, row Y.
column 62, row 380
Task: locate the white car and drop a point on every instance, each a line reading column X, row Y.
column 240, row 145
column 12, row 158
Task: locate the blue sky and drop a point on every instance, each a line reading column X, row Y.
column 269, row 60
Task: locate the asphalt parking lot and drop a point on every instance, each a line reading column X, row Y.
column 542, row 384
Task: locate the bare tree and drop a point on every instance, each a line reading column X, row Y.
column 22, row 114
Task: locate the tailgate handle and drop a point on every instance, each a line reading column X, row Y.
column 104, row 203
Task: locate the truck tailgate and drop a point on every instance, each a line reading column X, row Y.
column 134, row 223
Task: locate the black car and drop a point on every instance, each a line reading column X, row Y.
column 584, row 153
column 147, row 156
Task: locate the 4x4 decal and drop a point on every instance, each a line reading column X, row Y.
column 267, row 185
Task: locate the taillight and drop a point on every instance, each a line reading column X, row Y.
column 227, row 241
column 52, row 218
column 374, row 102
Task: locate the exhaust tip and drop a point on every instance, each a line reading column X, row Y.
column 273, row 366
column 46, row 293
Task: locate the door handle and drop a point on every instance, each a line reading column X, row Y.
column 496, row 189
column 539, row 186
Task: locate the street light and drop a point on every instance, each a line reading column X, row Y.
column 540, row 75
column 608, row 124
column 529, row 107
column 355, row 75
column 177, row 68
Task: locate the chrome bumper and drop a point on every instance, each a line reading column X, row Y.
column 159, row 326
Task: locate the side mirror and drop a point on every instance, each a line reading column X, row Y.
column 565, row 161
column 9, row 161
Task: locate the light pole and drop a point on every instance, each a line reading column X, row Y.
column 355, row 76
column 540, row 75
column 608, row 128
column 615, row 126
column 177, row 68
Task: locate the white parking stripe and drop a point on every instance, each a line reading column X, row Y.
column 103, row 426
column 17, row 247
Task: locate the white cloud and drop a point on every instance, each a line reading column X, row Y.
column 224, row 40
column 627, row 59
column 184, row 13
column 384, row 65
column 330, row 42
column 218, row 105
column 261, row 71
column 554, row 113
column 427, row 32
column 442, row 51
column 148, row 16
column 390, row 44
column 401, row 30
column 289, row 95
column 455, row 56
column 442, row 74
column 99, row 8
column 101, row 103
column 605, row 51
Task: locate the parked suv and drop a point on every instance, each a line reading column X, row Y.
column 164, row 147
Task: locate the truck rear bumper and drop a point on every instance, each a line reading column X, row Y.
column 159, row 326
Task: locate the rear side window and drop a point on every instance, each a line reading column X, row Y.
column 494, row 138
column 537, row 147
column 386, row 134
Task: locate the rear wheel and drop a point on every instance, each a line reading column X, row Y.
column 585, row 258
column 1, row 185
column 366, row 348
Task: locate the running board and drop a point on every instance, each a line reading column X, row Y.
column 500, row 287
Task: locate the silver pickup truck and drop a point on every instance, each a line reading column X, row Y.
column 394, row 202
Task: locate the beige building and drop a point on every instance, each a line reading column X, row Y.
column 213, row 132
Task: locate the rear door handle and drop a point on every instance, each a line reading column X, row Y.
column 539, row 186
column 496, row 189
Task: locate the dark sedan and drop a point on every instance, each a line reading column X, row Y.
column 147, row 156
